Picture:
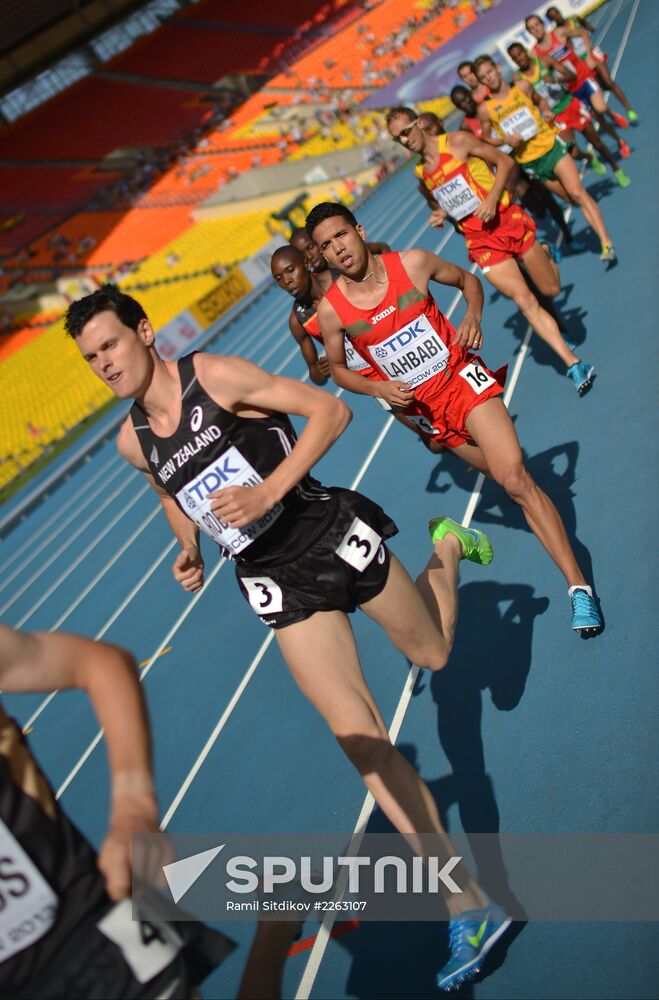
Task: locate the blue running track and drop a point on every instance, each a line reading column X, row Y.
column 528, row 729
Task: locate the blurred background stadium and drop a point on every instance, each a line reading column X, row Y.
column 163, row 144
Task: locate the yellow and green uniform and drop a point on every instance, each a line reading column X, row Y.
column 556, row 96
column 516, row 113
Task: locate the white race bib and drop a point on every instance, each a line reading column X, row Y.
column 359, row 545
column 475, row 377
column 578, row 44
column 521, row 122
column 230, row 469
column 143, row 945
column 457, row 198
column 264, row 595
column 28, row 905
column 354, row 361
column 413, row 354
column 422, row 423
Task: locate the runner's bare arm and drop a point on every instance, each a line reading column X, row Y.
column 396, row 393
column 46, row 661
column 539, row 101
column 560, row 70
column 188, row 567
column 243, row 388
column 319, row 369
column 464, row 144
column 573, row 32
column 423, row 267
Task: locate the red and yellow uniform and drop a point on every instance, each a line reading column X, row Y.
column 460, row 186
column 405, row 337
column 563, row 52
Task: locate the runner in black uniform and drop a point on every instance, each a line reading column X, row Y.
column 66, row 927
column 212, row 435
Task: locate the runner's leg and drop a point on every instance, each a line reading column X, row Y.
column 490, row 425
column 608, row 83
column 322, row 658
column 592, row 135
column 509, row 280
column 568, row 175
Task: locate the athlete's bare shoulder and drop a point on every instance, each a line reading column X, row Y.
column 328, row 317
column 129, row 447
column 458, row 143
column 524, row 86
column 419, row 265
column 483, row 112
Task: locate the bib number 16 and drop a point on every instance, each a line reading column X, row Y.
column 474, row 376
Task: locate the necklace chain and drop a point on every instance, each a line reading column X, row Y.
column 371, row 274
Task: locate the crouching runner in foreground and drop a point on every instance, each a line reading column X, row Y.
column 213, row 437
column 383, row 305
column 66, row 922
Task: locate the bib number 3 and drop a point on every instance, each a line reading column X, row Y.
column 474, row 376
column 264, row 595
column 359, row 545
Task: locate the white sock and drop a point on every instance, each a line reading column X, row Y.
column 581, row 586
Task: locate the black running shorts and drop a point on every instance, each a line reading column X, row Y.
column 111, row 956
column 345, row 567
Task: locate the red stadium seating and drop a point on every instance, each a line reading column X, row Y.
column 199, row 53
column 95, row 117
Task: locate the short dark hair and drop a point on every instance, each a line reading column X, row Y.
column 432, row 117
column 298, row 231
column 398, row 113
column 327, row 210
column 468, row 63
column 460, row 89
column 285, row 248
column 515, row 45
column 537, row 16
column 479, row 60
column 108, row 298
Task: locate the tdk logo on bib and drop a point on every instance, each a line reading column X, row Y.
column 413, row 354
column 230, row 469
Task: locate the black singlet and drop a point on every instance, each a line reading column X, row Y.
column 49, row 882
column 212, row 449
column 60, row 935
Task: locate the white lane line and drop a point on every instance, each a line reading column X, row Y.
column 108, row 500
column 38, row 549
column 55, row 519
column 165, row 642
column 625, row 37
column 119, row 610
column 320, row 945
column 83, row 555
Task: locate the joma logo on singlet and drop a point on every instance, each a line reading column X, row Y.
column 188, row 451
column 381, row 315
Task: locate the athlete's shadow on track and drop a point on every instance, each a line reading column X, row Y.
column 395, row 960
column 555, row 470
